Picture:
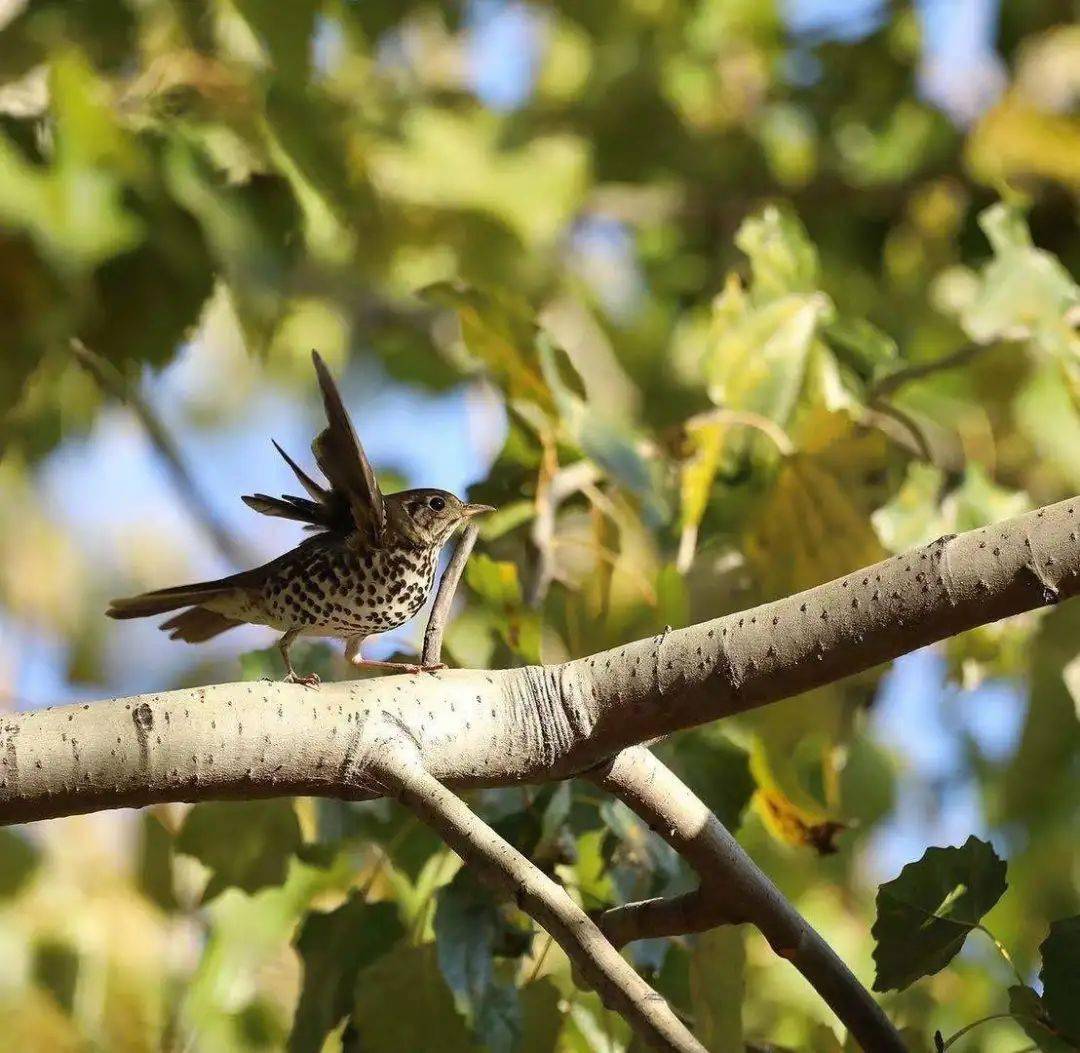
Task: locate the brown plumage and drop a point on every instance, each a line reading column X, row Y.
column 369, row 566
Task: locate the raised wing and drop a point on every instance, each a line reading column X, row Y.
column 323, row 509
column 343, row 461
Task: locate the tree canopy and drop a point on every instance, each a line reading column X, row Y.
column 729, row 308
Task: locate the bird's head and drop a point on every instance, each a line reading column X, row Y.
column 427, row 518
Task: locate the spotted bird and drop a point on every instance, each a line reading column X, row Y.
column 369, row 566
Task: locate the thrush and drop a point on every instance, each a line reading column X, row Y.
column 368, row 567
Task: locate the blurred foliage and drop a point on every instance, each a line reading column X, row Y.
column 756, row 313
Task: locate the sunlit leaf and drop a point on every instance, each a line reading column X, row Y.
column 1025, row 291
column 497, row 585
column 925, row 914
column 787, row 809
column 499, row 330
column 782, row 257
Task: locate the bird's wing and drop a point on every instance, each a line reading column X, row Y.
column 342, row 460
column 324, row 509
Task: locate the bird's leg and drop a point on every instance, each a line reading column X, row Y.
column 353, row 654
column 291, row 675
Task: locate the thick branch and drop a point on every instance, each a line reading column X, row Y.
column 733, row 889
column 477, row 728
column 599, row 963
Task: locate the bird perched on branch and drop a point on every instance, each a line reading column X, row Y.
column 368, row 568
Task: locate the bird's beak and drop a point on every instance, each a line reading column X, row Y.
column 476, row 510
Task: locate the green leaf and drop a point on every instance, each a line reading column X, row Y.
column 757, row 362
column 1060, row 975
column 72, row 208
column 499, row 1017
column 717, row 770
column 155, row 862
column 718, row 988
column 782, row 256
column 468, row 928
column 925, row 914
column 860, row 345
column 244, row 843
column 336, row 947
column 253, row 231
column 1025, row 291
column 403, row 1003
column 500, row 332
column 497, row 585
column 19, row 860
column 285, row 30
column 1028, row 1010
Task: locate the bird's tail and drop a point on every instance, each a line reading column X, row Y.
column 197, row 624
column 159, row 601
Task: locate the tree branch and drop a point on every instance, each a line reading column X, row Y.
column 478, row 728
column 112, row 382
column 598, row 962
column 733, row 889
column 890, row 383
column 531, row 724
column 444, row 598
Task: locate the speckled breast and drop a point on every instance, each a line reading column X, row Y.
column 339, row 591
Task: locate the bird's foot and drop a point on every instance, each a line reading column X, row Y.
column 304, row 679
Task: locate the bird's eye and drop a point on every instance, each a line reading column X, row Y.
column 436, row 503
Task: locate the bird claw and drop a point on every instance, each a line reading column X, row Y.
column 412, row 668
column 303, row 679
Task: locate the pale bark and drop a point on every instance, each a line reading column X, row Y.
column 477, row 728
column 596, row 959
column 532, row 724
column 732, row 890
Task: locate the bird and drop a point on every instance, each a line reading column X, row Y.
column 368, row 567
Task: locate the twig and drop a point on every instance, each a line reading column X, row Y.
column 551, row 492
column 444, row 598
column 892, row 382
column 733, row 888
column 598, row 962
column 746, row 419
column 112, row 382
column 878, row 407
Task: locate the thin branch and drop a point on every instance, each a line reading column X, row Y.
column 550, row 493
column 614, row 979
column 113, row 383
column 878, row 408
column 747, row 419
column 892, row 382
column 733, row 888
column 444, row 598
